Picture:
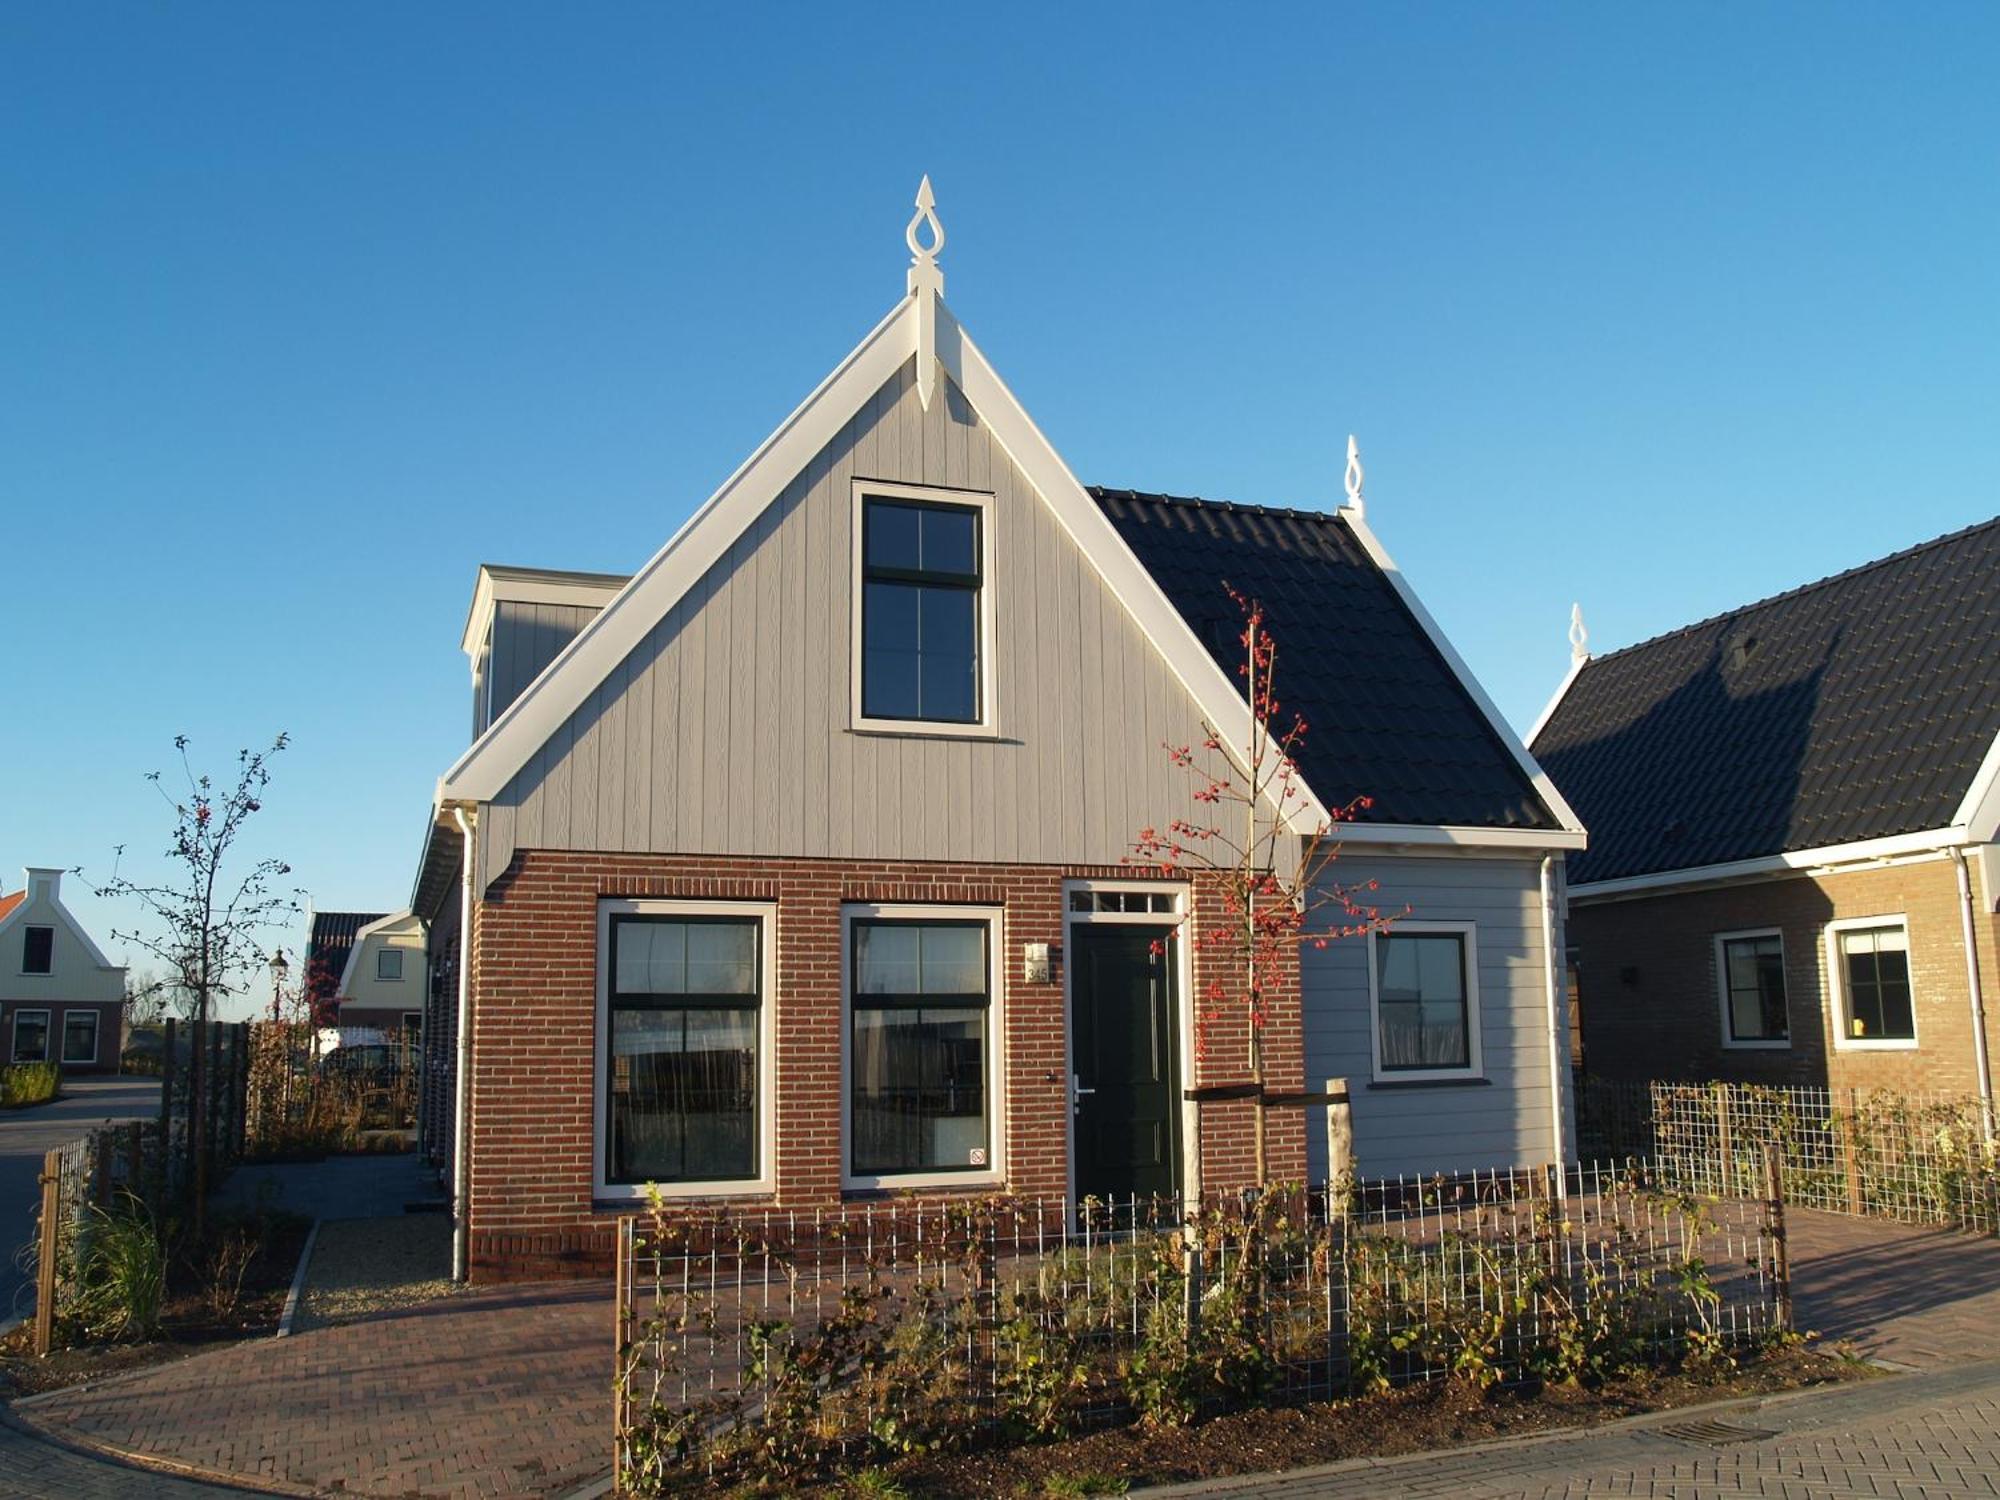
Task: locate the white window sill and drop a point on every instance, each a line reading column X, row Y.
column 1887, row 1044
column 1731, row 1045
column 926, row 729
column 622, row 1192
column 985, row 1179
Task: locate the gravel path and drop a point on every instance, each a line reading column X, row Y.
column 363, row 1267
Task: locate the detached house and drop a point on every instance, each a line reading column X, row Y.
column 790, row 869
column 61, row 999
column 1792, row 875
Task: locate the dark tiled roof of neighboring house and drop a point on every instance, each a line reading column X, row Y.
column 1386, row 715
column 331, row 937
column 1853, row 708
column 8, row 903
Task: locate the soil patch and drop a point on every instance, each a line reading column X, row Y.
column 1415, row 1419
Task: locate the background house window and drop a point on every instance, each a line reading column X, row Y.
column 682, row 1102
column 920, row 582
column 918, row 1051
column 38, row 950
column 79, row 1036
column 1753, row 987
column 389, row 963
column 31, row 1036
column 1875, row 983
column 1424, row 1014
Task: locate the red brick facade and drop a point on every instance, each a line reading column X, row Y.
column 534, row 1000
column 1651, row 1008
column 110, row 1028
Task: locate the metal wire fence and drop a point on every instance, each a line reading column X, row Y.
column 777, row 1344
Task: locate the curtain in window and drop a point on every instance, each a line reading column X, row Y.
column 1420, row 1001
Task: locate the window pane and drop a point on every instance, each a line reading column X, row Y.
column 916, row 958
column 885, row 959
column 683, row 1096
column 1755, row 970
column 950, row 541
column 1877, row 964
column 892, row 535
column 389, row 963
column 919, row 1090
column 889, row 655
column 31, row 1036
column 721, row 958
column 667, row 957
column 80, row 1037
column 37, row 950
column 1420, row 992
column 948, row 668
column 652, row 957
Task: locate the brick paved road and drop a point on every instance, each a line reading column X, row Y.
column 32, row 1468
column 1935, row 1434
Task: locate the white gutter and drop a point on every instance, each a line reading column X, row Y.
column 1558, row 1021
column 1979, row 1059
column 461, row 1195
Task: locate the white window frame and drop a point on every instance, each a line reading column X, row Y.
column 1729, row 1039
column 14, row 1036
column 388, row 950
column 1475, row 1071
column 96, row 1033
column 1836, row 982
column 1179, row 922
column 766, row 914
column 996, row 1042
column 986, row 726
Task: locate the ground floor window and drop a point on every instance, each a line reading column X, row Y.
column 1871, row 964
column 683, row 1045
column 1751, row 969
column 79, row 1036
column 31, row 1036
column 920, row 1044
column 1423, row 981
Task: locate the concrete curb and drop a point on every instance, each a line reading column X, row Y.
column 298, row 1283
column 145, row 1463
column 589, row 1490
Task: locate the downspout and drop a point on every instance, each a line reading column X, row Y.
column 1558, row 1021
column 1980, row 1061
column 461, row 1192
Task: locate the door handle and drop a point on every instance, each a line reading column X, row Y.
column 1077, row 1093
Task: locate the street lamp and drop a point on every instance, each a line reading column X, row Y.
column 279, row 969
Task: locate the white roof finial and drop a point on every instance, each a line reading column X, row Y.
column 1579, row 638
column 926, row 283
column 1354, row 477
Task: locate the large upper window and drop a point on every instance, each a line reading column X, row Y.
column 79, row 1036
column 922, row 573
column 1872, row 962
column 1751, row 970
column 683, row 1000
column 38, row 948
column 389, row 964
column 1426, row 1002
column 920, row 1053
column 31, row 1036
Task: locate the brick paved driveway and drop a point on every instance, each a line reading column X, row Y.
column 1919, row 1297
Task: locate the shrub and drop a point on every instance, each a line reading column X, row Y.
column 29, row 1083
column 121, row 1272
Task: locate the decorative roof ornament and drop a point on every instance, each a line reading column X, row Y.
column 1579, row 638
column 926, row 285
column 1355, row 474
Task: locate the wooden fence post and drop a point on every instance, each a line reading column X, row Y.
column 100, row 1167
column 1339, row 1149
column 135, row 1158
column 620, row 1334
column 168, row 1071
column 1724, row 1148
column 1781, row 1256
column 1850, row 1152
column 49, row 1248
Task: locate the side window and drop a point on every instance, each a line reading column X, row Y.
column 38, row 948
column 389, row 964
column 1425, row 989
column 1750, row 971
column 922, row 581
column 31, row 1036
column 79, row 1036
column 1872, row 970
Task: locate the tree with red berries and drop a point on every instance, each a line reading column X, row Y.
column 1268, row 878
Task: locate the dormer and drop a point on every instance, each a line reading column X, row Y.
column 521, row 618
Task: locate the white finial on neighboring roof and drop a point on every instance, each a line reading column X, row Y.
column 1579, row 638
column 1354, row 477
column 926, row 285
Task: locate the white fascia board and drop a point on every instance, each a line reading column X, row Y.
column 1549, row 710
column 97, row 955
column 1861, row 852
column 498, row 755
column 498, row 586
column 1544, row 788
column 1457, row 836
column 1220, row 700
column 1979, row 813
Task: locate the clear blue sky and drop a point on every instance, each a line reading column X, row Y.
column 305, row 311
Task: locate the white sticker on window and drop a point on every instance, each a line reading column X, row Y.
column 977, row 1156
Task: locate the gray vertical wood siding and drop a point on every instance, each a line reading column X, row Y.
column 1440, row 1127
column 525, row 638
column 727, row 729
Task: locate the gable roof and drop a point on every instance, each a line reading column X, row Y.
column 8, row 903
column 360, row 937
column 331, row 938
column 1536, row 814
column 1861, row 707
column 1386, row 713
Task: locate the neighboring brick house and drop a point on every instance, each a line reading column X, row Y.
column 1792, row 876
column 61, row 999
column 788, row 871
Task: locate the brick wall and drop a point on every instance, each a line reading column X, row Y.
column 110, row 1031
column 1650, row 1005
column 534, row 947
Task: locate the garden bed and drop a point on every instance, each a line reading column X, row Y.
column 194, row 1317
column 1412, row 1419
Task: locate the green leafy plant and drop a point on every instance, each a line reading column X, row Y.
column 22, row 1084
column 120, row 1272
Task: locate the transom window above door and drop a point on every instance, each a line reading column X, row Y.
column 922, row 611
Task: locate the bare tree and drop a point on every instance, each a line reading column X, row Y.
column 206, row 917
column 1269, row 880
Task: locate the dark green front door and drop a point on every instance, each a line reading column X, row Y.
column 1124, row 1049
